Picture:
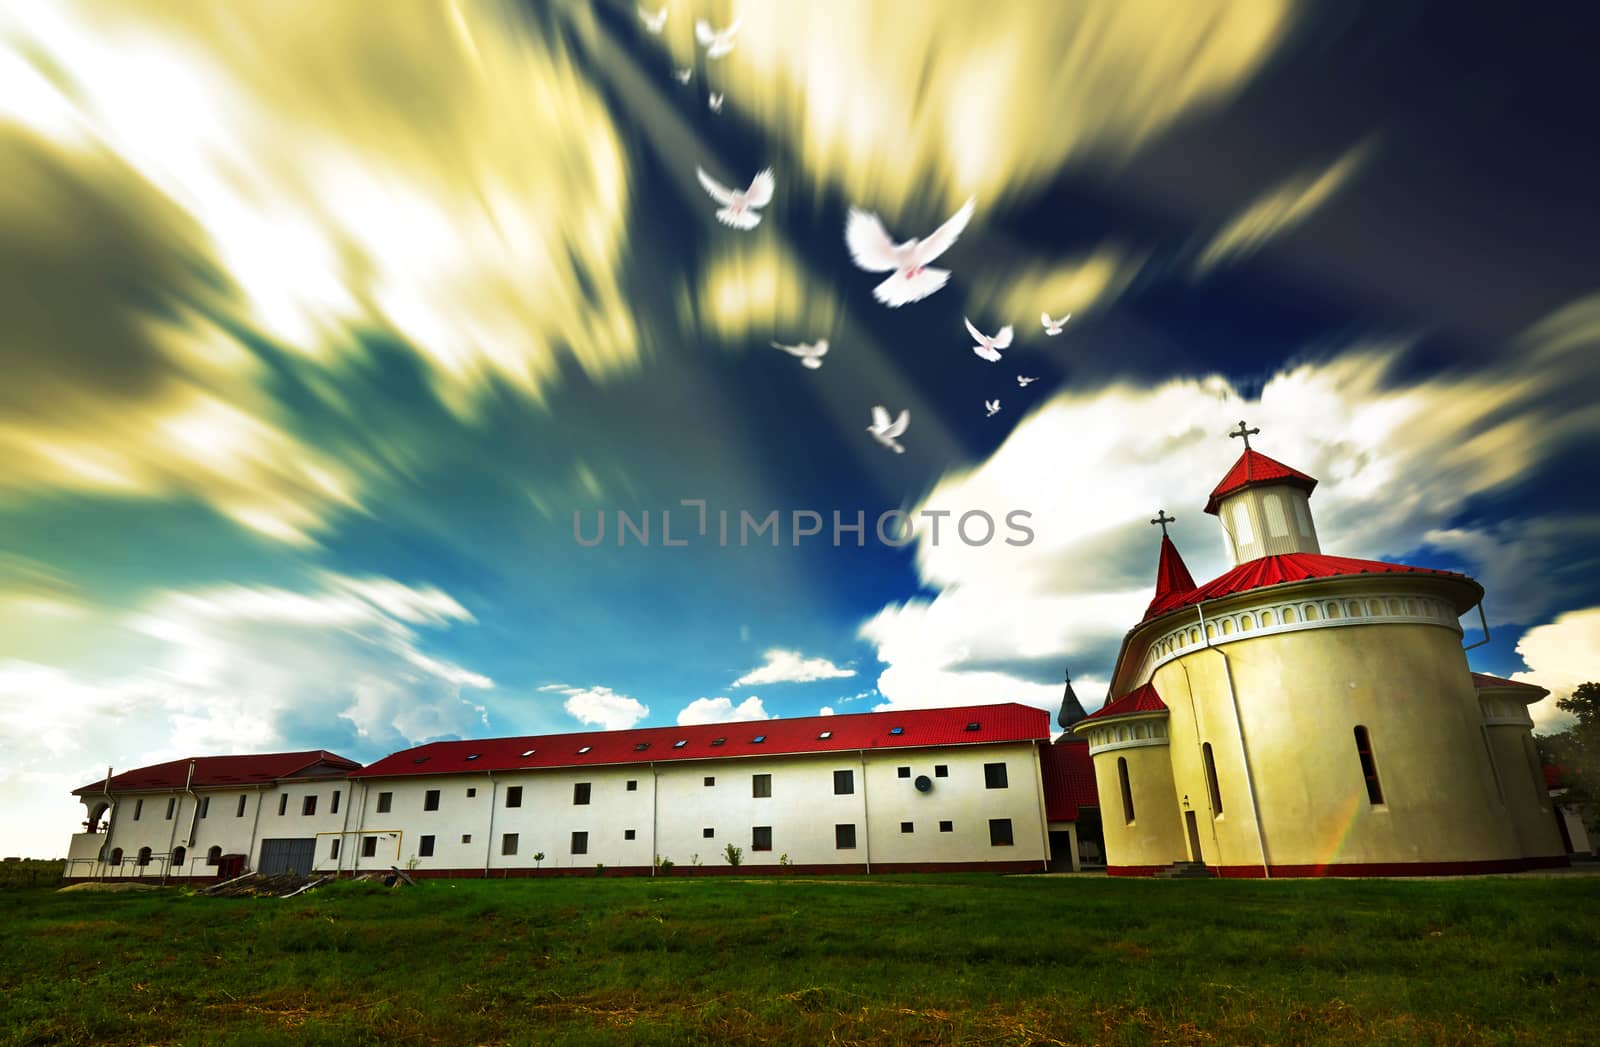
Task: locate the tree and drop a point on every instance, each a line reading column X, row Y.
column 1577, row 749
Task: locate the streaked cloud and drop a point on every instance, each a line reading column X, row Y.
column 781, row 666
column 722, row 710
column 758, row 289
column 1077, row 286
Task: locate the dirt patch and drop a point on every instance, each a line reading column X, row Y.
column 108, row 888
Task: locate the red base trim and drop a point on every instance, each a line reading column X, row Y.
column 854, row 869
column 1287, row 872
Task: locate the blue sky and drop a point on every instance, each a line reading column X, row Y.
column 320, row 329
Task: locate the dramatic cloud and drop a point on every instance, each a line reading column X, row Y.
column 783, row 666
column 600, row 706
column 1559, row 657
column 722, row 710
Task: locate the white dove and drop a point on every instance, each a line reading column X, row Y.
column 1053, row 327
column 810, row 353
column 991, row 408
column 738, row 206
column 872, row 249
column 717, row 42
column 714, row 100
column 885, row 431
column 989, row 348
column 654, row 22
column 1025, row 382
column 682, row 75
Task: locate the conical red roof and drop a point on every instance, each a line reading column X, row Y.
column 1253, row 467
column 1173, row 580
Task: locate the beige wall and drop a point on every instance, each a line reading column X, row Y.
column 1155, row 836
column 1521, row 784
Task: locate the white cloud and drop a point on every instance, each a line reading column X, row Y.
column 783, row 666
column 1560, row 656
column 601, row 706
column 722, row 710
column 826, row 710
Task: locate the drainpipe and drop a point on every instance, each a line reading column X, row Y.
column 866, row 819
column 1485, row 620
column 105, row 851
column 488, row 843
column 255, row 824
column 344, row 823
column 655, row 806
column 172, row 836
column 1244, row 749
column 194, row 819
column 1044, row 815
column 1194, row 717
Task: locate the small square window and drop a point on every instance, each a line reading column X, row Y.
column 718, row 741
column 283, row 804
column 903, row 772
column 308, row 805
column 580, row 843
column 580, row 793
column 824, row 736
column 709, row 834
column 761, row 786
column 508, row 843
column 641, row 747
column 425, row 847
column 941, row 770
column 711, row 780
column 628, row 834
column 897, row 730
column 680, row 743
column 385, row 801
column 999, row 832
column 907, row 827
column 994, row 776
column 844, row 837
column 947, row 827
column 471, row 792
column 369, row 846
column 633, row 785
column 430, row 800
column 844, row 783
column 514, row 796
column 466, row 837
column 761, row 838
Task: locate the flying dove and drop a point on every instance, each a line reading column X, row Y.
column 885, row 432
column 872, row 249
column 987, row 347
column 738, row 206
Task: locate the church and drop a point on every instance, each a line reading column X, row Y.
column 1299, row 715
column 1310, row 715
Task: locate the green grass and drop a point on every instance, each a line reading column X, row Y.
column 30, row 872
column 905, row 960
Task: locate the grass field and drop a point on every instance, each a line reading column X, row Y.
column 908, row 960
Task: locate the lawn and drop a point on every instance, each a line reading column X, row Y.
column 903, row 960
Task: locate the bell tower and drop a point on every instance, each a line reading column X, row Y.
column 1264, row 506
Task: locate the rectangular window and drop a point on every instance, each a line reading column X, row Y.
column 629, row 834
column 508, row 843
column 138, row 807
column 994, row 776
column 430, row 800
column 947, row 827
column 761, row 786
column 1211, row 780
column 172, row 804
column 514, row 796
column 941, row 770
column 205, row 806
column 633, row 785
column 844, row 837
column 907, row 827
column 471, row 792
column 333, row 805
column 1369, row 767
column 999, row 832
column 425, row 847
column 1127, row 791
column 710, row 781
column 385, row 802
column 283, row 804
column 844, row 783
column 309, row 805
column 580, row 793
column 580, row 843
column 369, row 846
column 240, row 812
column 761, row 838
column 466, row 837
column 333, row 848
column 708, row 833
column 903, row 772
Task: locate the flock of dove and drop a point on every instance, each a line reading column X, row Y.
column 912, row 276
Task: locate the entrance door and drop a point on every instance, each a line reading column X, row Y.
column 287, row 856
column 1194, row 836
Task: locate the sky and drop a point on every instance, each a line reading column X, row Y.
column 329, row 338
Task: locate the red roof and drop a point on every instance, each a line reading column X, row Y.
column 1485, row 682
column 899, row 729
column 222, row 771
column 1555, row 775
column 1142, row 699
column 1173, row 579
column 1289, row 567
column 1068, row 774
column 1253, row 467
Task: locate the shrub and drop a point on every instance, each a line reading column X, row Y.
column 735, row 855
column 663, row 865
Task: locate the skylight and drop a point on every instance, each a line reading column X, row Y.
column 680, row 743
column 529, row 753
column 420, row 759
column 758, row 739
column 974, row 726
column 825, row 734
column 585, row 749
column 641, row 747
column 718, row 741
column 897, row 730
column 474, row 756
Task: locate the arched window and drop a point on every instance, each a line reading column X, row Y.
column 116, row 856
column 1288, row 616
column 214, row 857
column 1211, row 780
column 179, row 856
column 1277, row 523
column 1266, row 619
column 1127, row 791
column 1333, row 610
column 1301, row 516
column 1369, row 766
column 1310, row 611
column 144, row 856
column 1241, row 524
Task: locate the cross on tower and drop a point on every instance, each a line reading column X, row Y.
column 1163, row 519
column 1246, row 433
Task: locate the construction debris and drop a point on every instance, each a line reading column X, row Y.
column 259, row 885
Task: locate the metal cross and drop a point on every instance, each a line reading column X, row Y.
column 1163, row 519
column 1246, row 433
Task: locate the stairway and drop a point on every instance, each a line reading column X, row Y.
column 1185, row 871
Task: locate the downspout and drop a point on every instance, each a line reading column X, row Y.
column 1044, row 815
column 344, row 823
column 1194, row 717
column 866, row 819
column 488, row 843
column 361, row 828
column 655, row 806
column 1244, row 749
column 172, row 836
column 111, row 826
column 1483, row 618
column 194, row 819
column 255, row 825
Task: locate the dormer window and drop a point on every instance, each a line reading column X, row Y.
column 529, row 753
column 758, row 739
column 824, row 736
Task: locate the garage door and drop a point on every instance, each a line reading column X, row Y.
column 287, row 856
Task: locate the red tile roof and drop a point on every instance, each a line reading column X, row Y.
column 1142, row 699
column 988, row 724
column 1555, row 775
column 221, row 771
column 1485, row 682
column 1068, row 773
column 1253, row 467
column 1289, row 567
column 1173, row 579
